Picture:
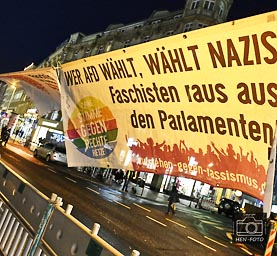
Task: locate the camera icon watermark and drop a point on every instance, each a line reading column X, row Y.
column 249, row 228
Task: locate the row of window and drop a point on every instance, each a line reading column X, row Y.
column 135, row 26
column 208, row 5
column 101, row 49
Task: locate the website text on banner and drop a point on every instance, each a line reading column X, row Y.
column 200, row 105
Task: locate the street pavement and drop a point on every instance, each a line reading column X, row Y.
column 145, row 193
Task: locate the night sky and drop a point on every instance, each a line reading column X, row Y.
column 31, row 30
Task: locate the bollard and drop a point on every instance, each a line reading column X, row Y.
column 95, row 228
column 69, row 209
column 53, row 197
column 135, row 253
column 59, row 201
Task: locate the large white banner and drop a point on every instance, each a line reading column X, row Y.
column 41, row 85
column 200, row 104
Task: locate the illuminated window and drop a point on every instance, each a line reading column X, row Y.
column 54, row 115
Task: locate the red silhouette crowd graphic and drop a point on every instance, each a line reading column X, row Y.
column 212, row 157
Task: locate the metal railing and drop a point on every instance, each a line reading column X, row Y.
column 32, row 224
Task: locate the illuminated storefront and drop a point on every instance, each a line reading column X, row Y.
column 48, row 130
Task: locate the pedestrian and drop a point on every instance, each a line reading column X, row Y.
column 3, row 132
column 172, row 200
column 119, row 176
column 5, row 135
column 128, row 176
